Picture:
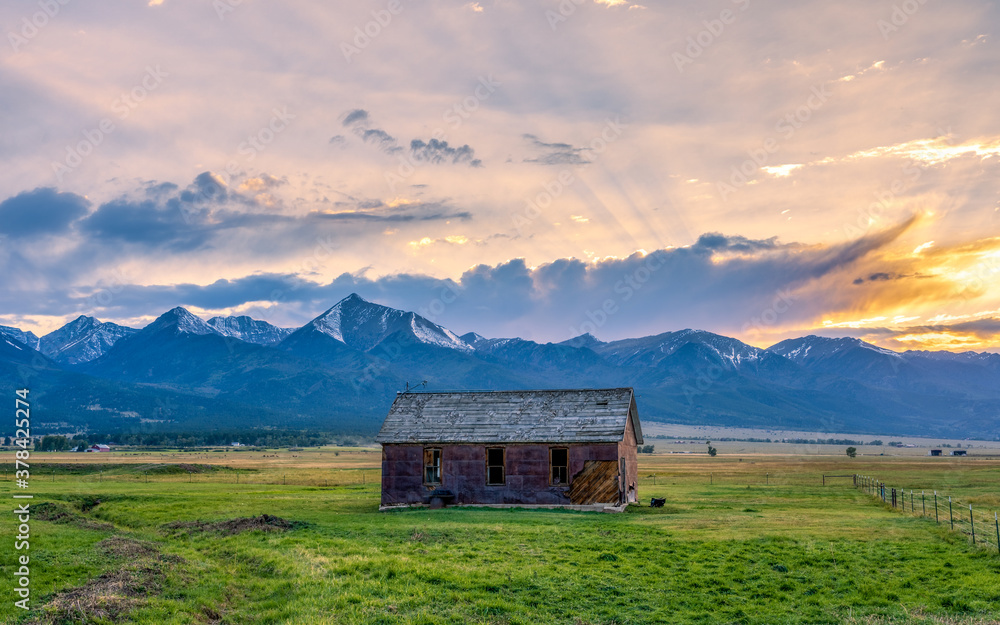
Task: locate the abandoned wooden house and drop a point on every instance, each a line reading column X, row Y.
column 548, row 447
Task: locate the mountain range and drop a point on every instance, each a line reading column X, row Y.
column 340, row 373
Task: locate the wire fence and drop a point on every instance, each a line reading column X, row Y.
column 958, row 516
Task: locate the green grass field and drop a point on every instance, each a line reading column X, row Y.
column 741, row 540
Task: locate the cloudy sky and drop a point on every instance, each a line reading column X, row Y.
column 540, row 168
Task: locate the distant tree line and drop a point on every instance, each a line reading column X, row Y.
column 250, row 438
column 797, row 441
column 53, row 443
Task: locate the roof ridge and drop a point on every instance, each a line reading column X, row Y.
column 514, row 390
column 510, row 416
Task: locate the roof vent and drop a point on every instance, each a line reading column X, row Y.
column 603, row 402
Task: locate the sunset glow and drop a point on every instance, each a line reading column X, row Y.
column 843, row 180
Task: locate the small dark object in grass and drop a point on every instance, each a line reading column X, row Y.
column 780, row 568
column 264, row 523
column 657, row 502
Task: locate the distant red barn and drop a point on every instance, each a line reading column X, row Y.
column 545, row 447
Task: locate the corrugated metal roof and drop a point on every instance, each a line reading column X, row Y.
column 563, row 416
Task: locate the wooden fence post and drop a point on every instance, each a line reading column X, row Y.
column 923, row 505
column 972, row 524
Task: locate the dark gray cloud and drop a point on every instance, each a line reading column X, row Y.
column 180, row 220
column 355, row 117
column 435, row 151
column 887, row 276
column 664, row 290
column 377, row 210
column 359, row 121
column 719, row 242
column 43, row 211
column 555, row 153
column 380, row 139
column 145, row 223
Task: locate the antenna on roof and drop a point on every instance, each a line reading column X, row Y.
column 410, row 388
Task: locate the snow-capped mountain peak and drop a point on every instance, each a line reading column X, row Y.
column 473, row 338
column 82, row 340
column 20, row 336
column 812, row 346
column 249, row 329
column 584, row 340
column 181, row 319
column 363, row 325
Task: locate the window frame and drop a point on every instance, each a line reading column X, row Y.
column 502, row 466
column 429, row 454
column 553, row 467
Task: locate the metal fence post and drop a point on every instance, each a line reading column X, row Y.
column 923, row 505
column 935, row 508
column 951, row 516
column 996, row 522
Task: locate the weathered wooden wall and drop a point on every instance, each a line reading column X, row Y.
column 463, row 471
column 627, row 450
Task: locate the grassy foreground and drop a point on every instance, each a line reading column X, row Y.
column 752, row 540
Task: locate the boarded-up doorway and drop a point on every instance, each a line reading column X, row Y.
column 596, row 483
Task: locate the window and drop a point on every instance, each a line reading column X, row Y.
column 432, row 466
column 559, row 462
column 494, row 465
